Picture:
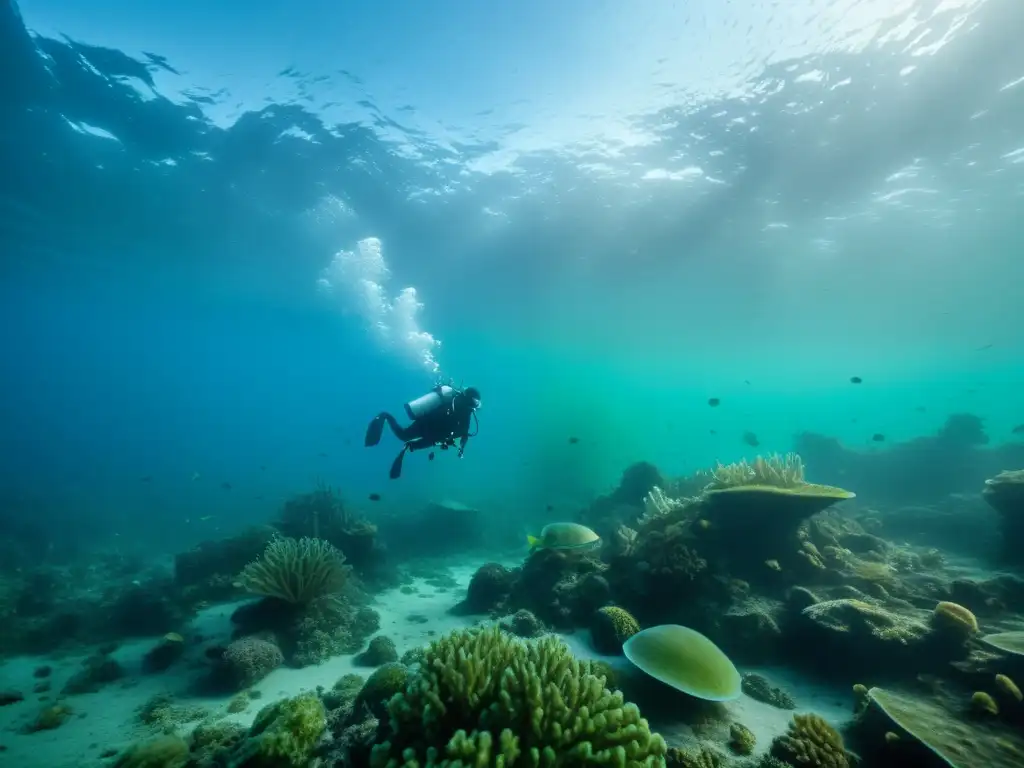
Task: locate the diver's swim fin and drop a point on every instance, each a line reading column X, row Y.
column 374, row 431
column 396, row 465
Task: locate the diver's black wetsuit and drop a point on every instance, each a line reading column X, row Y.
column 441, row 427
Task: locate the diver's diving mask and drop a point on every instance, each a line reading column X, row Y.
column 475, row 403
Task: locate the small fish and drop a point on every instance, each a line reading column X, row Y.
column 204, row 518
column 751, row 439
column 878, row 437
column 746, row 381
column 573, row 440
column 856, row 380
column 1018, row 430
column 714, row 402
column 921, row 409
column 322, row 455
column 147, row 479
column 713, row 431
column 564, row 536
column 195, row 476
column 263, row 467
column 430, row 456
column 983, row 348
column 374, row 497
column 226, row 485
column 549, row 508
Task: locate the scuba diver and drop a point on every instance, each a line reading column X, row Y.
column 439, row 419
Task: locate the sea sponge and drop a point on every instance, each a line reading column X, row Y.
column 283, row 734
column 610, row 627
column 162, row 752
column 485, row 697
column 811, row 741
column 296, row 570
column 954, row 619
column 741, row 739
column 685, row 660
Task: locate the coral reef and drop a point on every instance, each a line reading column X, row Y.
column 387, row 680
column 1005, row 494
column 477, row 690
column 811, row 741
column 523, row 624
column 322, row 514
column 610, row 627
column 246, row 661
column 488, row 590
column 380, row 651
column 283, row 734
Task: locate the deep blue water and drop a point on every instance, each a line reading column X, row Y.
column 608, row 216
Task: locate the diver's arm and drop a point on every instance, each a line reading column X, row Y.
column 462, row 445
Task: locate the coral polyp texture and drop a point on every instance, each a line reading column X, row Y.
column 482, row 697
column 297, row 571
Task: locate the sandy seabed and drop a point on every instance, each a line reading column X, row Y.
column 108, row 719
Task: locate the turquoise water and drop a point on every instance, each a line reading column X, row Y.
column 607, row 216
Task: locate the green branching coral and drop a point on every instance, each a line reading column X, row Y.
column 483, row 698
column 296, row 570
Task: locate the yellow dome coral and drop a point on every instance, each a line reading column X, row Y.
column 983, row 704
column 954, row 618
column 1008, row 688
column 686, row 660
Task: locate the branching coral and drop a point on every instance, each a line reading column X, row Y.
column 811, row 742
column 658, row 506
column 778, row 471
column 296, row 570
column 483, row 697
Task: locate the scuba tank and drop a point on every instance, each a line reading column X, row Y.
column 439, row 397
